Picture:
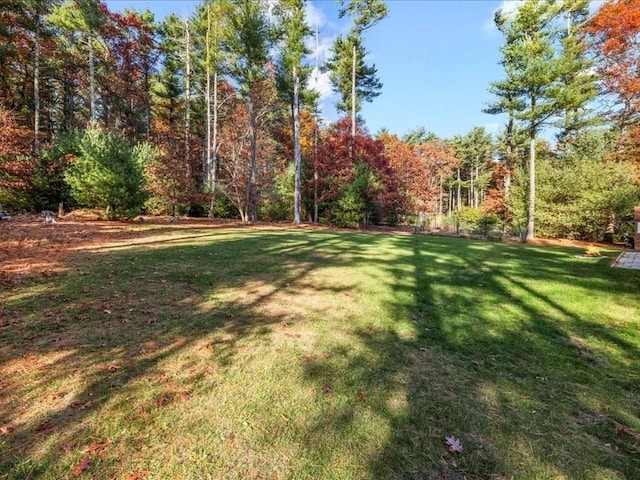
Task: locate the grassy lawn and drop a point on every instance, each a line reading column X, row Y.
column 311, row 354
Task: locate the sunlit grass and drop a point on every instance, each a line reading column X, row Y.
column 317, row 354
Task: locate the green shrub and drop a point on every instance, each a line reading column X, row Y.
column 107, row 173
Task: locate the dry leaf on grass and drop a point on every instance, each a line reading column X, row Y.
column 7, row 429
column 82, row 466
column 454, row 444
column 137, row 475
column 96, row 447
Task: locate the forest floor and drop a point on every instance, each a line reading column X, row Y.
column 193, row 349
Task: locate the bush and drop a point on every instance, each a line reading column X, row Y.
column 107, row 173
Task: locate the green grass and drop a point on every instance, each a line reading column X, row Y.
column 322, row 355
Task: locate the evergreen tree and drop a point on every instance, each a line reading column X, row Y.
column 291, row 76
column 533, row 70
column 248, row 47
column 352, row 78
column 107, row 173
column 577, row 87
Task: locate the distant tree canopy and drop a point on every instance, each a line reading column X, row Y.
column 213, row 115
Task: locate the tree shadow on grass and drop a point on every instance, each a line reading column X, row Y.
column 397, row 342
column 532, row 388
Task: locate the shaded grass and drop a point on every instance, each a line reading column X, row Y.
column 316, row 354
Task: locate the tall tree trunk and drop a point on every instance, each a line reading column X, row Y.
column 252, row 192
column 187, row 99
column 476, row 192
column 471, row 200
column 459, row 193
column 214, row 146
column 440, row 202
column 353, row 93
column 147, row 106
column 207, row 99
column 353, row 105
column 315, row 172
column 532, row 188
column 297, row 201
column 92, row 81
column 36, row 86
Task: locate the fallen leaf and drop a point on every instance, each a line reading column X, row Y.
column 114, row 366
column 81, row 467
column 362, row 396
column 162, row 401
column 68, row 447
column 7, row 429
column 306, row 358
column 137, row 475
column 326, row 388
column 96, row 447
column 454, row 444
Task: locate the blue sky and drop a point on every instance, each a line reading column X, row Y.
column 435, row 58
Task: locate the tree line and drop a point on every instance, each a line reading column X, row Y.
column 213, row 115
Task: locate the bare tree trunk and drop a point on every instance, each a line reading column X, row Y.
column 476, row 192
column 36, row 86
column 252, row 204
column 353, row 105
column 92, row 81
column 315, row 173
column 440, row 202
column 207, row 94
column 297, row 201
column 459, row 193
column 214, row 146
column 187, row 99
column 471, row 186
column 532, row 189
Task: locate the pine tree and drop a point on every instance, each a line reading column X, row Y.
column 352, row 78
column 291, row 76
column 248, row 47
column 530, row 91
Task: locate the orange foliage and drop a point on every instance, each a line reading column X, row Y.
column 16, row 165
column 420, row 171
column 616, row 32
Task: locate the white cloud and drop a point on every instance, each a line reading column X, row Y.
column 320, row 49
column 492, row 127
column 321, row 83
column 508, row 8
column 315, row 18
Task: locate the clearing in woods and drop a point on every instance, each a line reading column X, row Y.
column 196, row 350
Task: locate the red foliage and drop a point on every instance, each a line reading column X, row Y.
column 16, row 166
column 132, row 54
column 235, row 148
column 169, row 179
column 335, row 165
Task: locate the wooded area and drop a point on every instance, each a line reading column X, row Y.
column 212, row 116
